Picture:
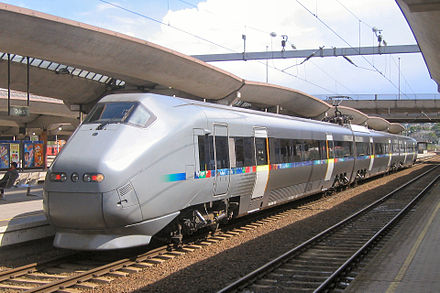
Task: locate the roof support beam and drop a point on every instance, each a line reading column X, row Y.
column 321, row 52
column 424, row 7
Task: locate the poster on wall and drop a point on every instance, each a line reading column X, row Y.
column 28, row 151
column 4, row 156
column 38, row 155
column 15, row 153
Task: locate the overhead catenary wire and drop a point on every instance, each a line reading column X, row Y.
column 205, row 40
column 169, row 25
column 341, row 38
column 268, row 33
column 371, row 27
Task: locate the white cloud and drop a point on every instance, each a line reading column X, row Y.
column 219, row 25
column 224, row 21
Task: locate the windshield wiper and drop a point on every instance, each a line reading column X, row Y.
column 101, row 126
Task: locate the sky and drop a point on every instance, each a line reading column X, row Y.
column 217, row 26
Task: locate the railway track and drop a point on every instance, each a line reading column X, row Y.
column 323, row 263
column 76, row 272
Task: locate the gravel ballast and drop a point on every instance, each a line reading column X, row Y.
column 213, row 267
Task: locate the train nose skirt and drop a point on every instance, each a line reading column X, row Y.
column 78, row 241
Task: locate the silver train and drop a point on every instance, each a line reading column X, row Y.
column 144, row 164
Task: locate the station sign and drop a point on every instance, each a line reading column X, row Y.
column 20, row 111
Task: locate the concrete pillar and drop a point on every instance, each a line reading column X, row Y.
column 43, row 137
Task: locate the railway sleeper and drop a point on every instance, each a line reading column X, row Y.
column 297, row 277
column 86, row 285
column 15, row 287
column 102, row 280
column 324, row 267
column 302, row 273
column 290, row 285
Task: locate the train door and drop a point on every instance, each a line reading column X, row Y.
column 390, row 153
column 405, row 152
column 221, row 158
column 262, row 161
column 370, row 167
column 330, row 157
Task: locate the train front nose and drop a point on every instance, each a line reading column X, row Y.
column 89, row 215
column 89, row 210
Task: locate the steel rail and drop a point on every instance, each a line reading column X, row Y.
column 29, row 268
column 98, row 271
column 382, row 231
column 244, row 281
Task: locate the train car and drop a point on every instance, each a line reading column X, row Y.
column 142, row 165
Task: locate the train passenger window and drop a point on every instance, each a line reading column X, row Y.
column 206, row 153
column 401, row 146
column 378, row 148
column 298, row 149
column 285, row 151
column 386, row 147
column 280, row 150
column 322, row 149
column 244, row 150
column 331, row 148
column 311, row 150
column 275, row 151
column 261, row 152
column 343, row 149
column 363, row 149
column 222, row 152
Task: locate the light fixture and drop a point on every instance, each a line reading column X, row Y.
column 62, row 70
column 283, row 42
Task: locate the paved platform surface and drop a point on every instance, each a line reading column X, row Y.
column 410, row 261
column 21, row 216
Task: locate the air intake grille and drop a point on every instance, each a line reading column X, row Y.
column 125, row 189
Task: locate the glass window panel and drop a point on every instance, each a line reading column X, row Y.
column 261, row 151
column 206, row 153
column 222, row 152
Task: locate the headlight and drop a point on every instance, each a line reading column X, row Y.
column 74, row 177
column 57, row 177
column 93, row 177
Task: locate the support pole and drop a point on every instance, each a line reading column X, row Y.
column 9, row 84
column 399, row 77
column 27, row 80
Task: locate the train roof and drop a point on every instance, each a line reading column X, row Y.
column 379, row 124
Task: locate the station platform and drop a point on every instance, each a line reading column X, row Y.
column 410, row 260
column 21, row 216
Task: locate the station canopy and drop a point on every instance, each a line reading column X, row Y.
column 79, row 64
column 423, row 16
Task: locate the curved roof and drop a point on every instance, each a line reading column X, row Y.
column 423, row 16
column 378, row 123
column 44, row 113
column 291, row 101
column 137, row 62
column 359, row 118
column 395, row 128
column 79, row 63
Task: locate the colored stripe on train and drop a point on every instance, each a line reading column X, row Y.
column 252, row 169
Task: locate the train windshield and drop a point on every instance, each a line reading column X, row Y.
column 119, row 112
